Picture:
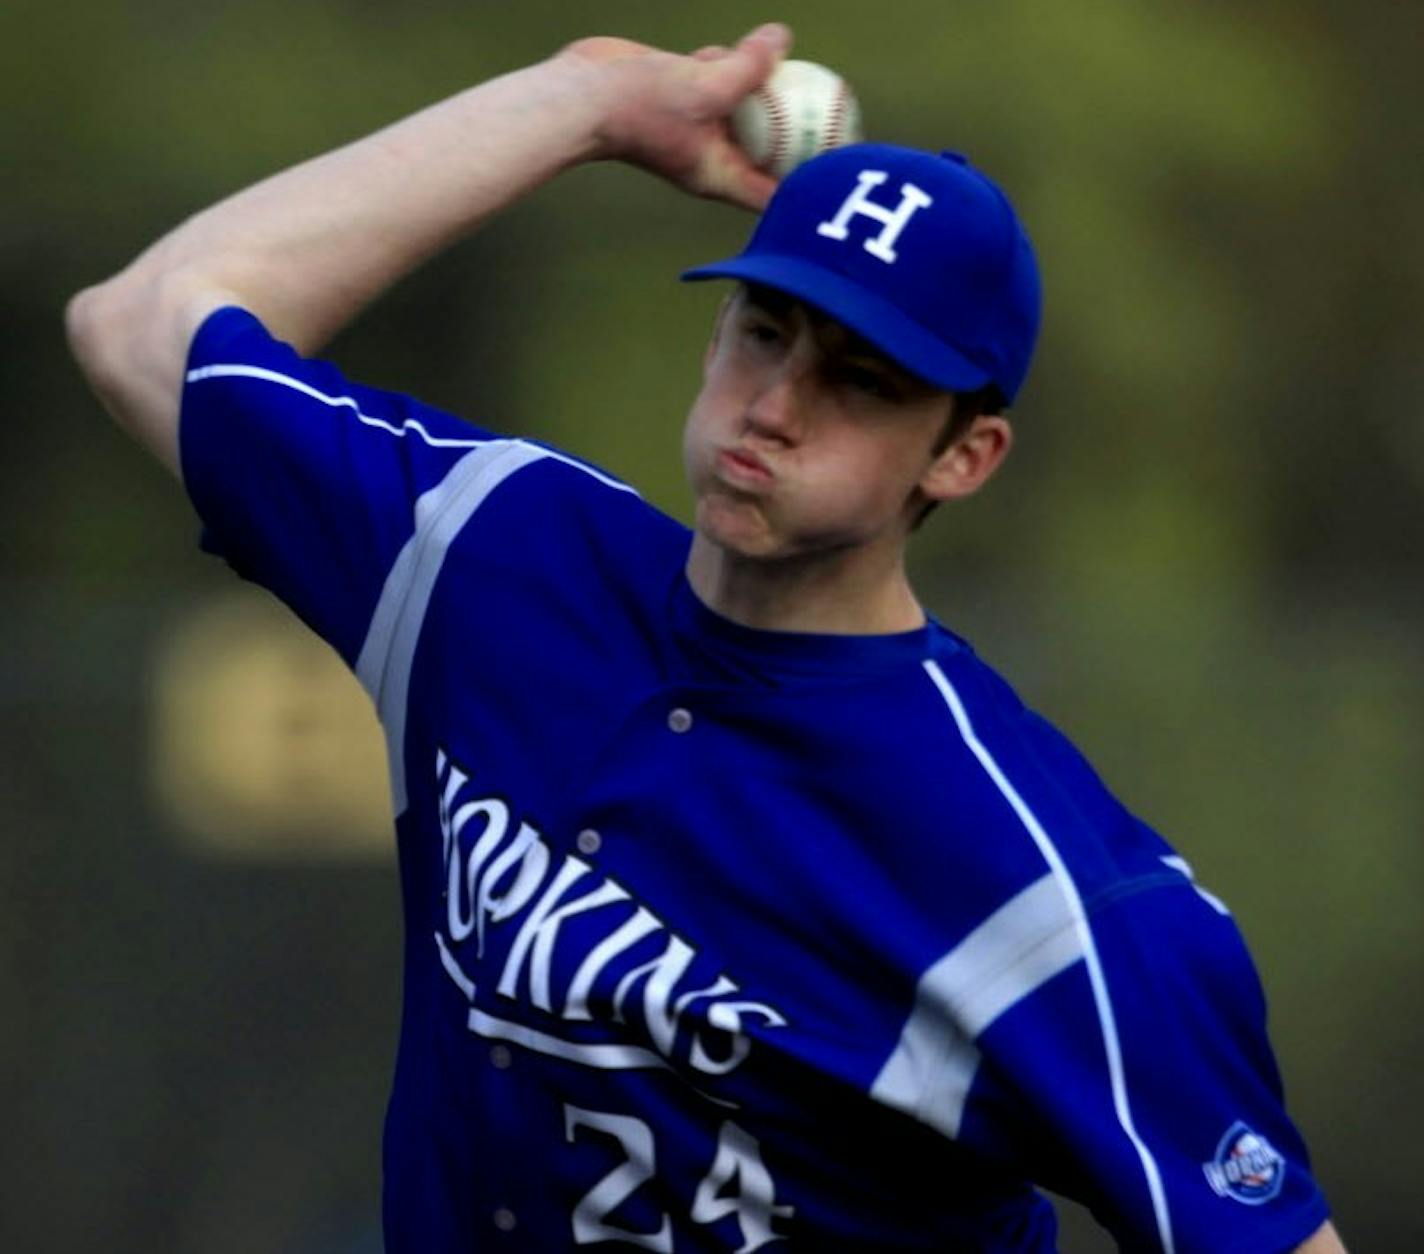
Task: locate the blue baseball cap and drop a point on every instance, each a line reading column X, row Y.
column 919, row 253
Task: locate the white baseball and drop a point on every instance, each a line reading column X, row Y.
column 803, row 109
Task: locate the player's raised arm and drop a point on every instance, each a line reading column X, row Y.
column 306, row 249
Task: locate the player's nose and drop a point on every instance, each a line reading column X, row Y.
column 777, row 408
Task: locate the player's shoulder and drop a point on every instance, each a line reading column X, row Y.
column 1043, row 787
column 240, row 373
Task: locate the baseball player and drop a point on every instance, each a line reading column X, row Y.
column 745, row 905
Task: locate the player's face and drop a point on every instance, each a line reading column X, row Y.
column 804, row 438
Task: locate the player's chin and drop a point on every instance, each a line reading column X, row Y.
column 739, row 525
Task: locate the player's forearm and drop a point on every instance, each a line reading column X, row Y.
column 310, row 246
column 307, row 248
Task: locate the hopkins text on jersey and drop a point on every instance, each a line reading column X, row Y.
column 582, row 970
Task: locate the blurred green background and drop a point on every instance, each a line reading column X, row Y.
column 1203, row 560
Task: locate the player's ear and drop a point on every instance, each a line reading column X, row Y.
column 969, row 461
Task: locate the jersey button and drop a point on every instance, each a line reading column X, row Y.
column 501, row 1058
column 680, row 720
column 589, row 841
column 504, row 1219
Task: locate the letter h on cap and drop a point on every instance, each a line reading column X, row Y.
column 894, row 220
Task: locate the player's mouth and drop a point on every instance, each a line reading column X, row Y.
column 740, row 467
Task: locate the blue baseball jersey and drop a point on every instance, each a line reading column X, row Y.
column 720, row 939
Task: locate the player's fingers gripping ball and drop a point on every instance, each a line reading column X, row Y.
column 803, row 109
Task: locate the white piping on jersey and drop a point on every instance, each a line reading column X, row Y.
column 1017, row 949
column 233, row 371
column 345, row 402
column 1106, row 1019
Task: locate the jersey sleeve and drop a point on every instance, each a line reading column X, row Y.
column 306, row 483
column 1140, row 1081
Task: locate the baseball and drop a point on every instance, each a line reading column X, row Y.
column 803, row 109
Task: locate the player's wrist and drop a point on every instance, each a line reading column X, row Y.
column 599, row 74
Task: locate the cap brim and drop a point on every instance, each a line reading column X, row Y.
column 870, row 316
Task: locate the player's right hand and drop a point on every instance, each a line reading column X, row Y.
column 668, row 113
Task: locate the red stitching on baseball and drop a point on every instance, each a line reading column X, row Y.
column 838, row 112
column 780, row 128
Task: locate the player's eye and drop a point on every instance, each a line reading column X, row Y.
column 870, row 381
column 760, row 331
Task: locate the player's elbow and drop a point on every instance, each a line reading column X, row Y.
column 130, row 336
column 91, row 324
column 106, row 326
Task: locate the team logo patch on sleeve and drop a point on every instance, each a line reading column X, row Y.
column 1247, row 1167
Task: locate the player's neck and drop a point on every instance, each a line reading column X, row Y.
column 836, row 594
